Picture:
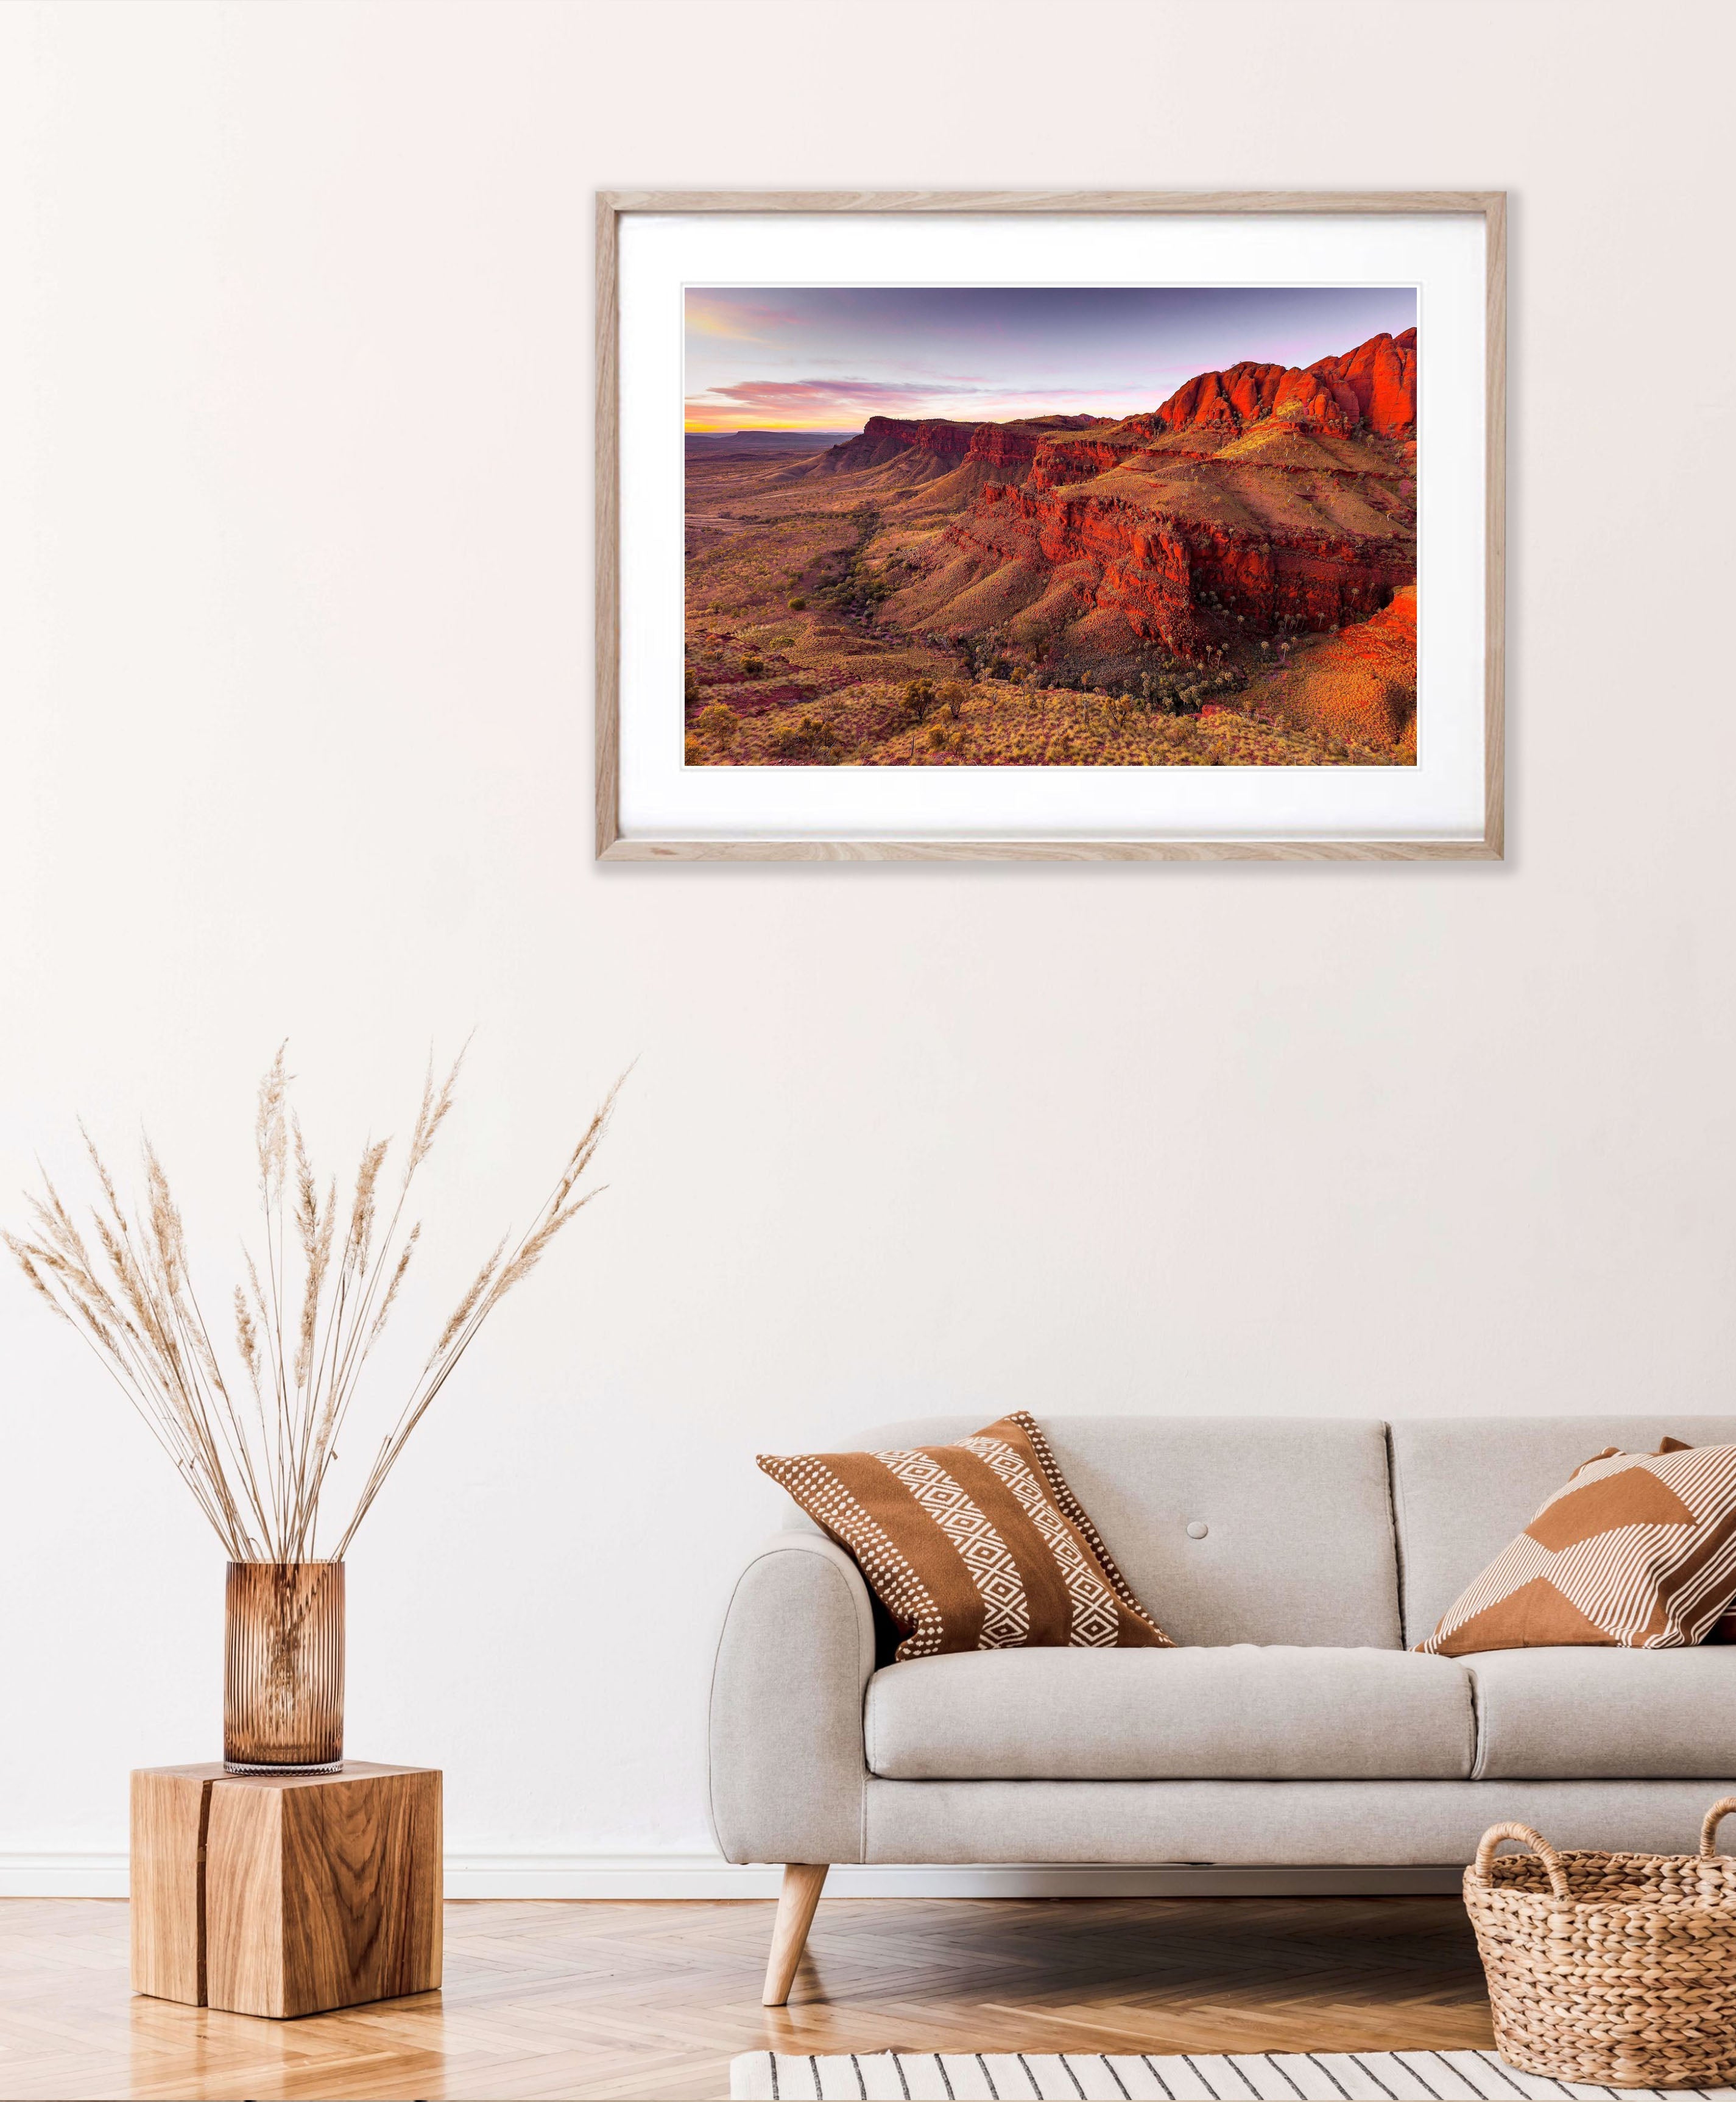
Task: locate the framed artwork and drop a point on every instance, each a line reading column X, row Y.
column 1066, row 527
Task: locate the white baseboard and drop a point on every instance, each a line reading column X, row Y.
column 62, row 1875
column 704, row 1876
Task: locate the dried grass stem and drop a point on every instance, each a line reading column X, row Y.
column 310, row 1313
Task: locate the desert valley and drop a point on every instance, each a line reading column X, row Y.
column 1228, row 579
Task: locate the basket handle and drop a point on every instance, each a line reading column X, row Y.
column 1540, row 1847
column 1709, row 1830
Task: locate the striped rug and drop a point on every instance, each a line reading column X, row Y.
column 1312, row 2076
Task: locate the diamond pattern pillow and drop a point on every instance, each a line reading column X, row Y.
column 977, row 1545
column 1638, row 1551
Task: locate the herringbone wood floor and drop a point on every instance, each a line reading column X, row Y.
column 651, row 2000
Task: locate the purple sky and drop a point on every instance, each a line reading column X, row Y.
column 809, row 357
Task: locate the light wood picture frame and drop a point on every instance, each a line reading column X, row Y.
column 1481, row 704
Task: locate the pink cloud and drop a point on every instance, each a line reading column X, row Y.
column 838, row 404
column 823, row 404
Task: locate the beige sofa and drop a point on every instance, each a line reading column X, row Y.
column 1296, row 1560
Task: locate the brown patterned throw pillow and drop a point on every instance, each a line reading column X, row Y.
column 1638, row 1551
column 1723, row 1630
column 977, row 1545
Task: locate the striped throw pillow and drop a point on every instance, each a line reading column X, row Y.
column 1638, row 1551
column 977, row 1545
column 1723, row 1630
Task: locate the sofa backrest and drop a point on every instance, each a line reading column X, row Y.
column 1298, row 1539
column 1464, row 1487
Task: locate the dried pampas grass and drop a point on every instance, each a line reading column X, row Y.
column 255, row 1450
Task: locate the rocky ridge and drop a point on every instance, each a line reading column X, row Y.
column 1372, row 388
column 1162, row 573
column 1170, row 518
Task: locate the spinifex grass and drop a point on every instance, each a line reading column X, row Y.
column 256, row 1448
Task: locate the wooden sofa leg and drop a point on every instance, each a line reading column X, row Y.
column 802, row 1884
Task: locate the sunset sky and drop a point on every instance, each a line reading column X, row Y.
column 826, row 358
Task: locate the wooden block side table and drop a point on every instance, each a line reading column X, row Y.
column 285, row 1894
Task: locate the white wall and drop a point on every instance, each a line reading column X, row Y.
column 294, row 493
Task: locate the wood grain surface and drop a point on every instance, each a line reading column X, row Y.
column 1075, row 203
column 285, row 1894
column 322, row 1891
column 802, row 1884
column 652, row 1999
column 169, row 1810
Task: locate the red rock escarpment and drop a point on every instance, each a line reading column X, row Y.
column 1009, row 448
column 1060, row 461
column 1372, row 388
column 884, row 437
column 1224, row 403
column 1156, row 569
column 1005, row 447
column 1381, row 376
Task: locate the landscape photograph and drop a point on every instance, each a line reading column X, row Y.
column 1050, row 525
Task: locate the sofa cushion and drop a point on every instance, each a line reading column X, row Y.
column 1604, row 1715
column 1235, row 1528
column 975, row 1544
column 1637, row 1551
column 1172, row 1715
column 1464, row 1487
column 1251, row 1824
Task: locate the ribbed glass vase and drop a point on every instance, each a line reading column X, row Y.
column 283, row 1668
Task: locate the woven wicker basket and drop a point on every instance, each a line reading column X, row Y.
column 1617, row 1969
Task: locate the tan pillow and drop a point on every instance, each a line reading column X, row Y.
column 977, row 1545
column 1723, row 1630
column 1638, row 1551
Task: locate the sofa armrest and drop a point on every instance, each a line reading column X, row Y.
column 788, row 1773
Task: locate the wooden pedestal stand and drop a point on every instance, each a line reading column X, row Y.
column 279, row 1895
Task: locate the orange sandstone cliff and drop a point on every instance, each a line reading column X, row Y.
column 1256, row 507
